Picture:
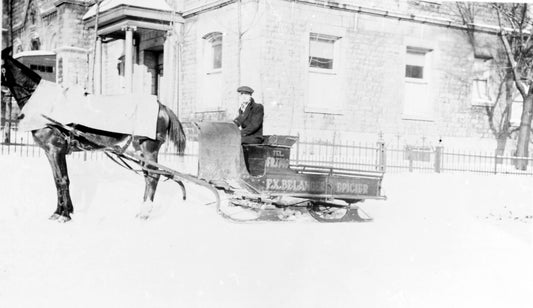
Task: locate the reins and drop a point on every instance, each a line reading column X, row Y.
column 116, row 154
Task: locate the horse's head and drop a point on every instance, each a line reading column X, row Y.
column 20, row 79
column 7, row 52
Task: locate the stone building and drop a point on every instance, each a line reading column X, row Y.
column 352, row 70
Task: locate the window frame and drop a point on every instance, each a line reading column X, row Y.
column 209, row 76
column 426, row 68
column 336, row 53
column 334, row 46
column 333, row 73
column 210, row 41
column 484, row 77
column 421, row 82
column 515, row 118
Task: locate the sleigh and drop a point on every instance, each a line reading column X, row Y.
column 258, row 182
column 261, row 183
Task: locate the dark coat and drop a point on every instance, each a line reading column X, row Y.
column 251, row 123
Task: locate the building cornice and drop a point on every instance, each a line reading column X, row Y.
column 359, row 9
column 151, row 18
column 430, row 20
column 72, row 49
column 206, row 8
column 58, row 3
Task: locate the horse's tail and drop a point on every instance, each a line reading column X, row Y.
column 175, row 130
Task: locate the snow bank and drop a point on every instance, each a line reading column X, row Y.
column 440, row 240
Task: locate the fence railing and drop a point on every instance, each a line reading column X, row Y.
column 381, row 157
column 376, row 156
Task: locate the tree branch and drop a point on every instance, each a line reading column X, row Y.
column 510, row 56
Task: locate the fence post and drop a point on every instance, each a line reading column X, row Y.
column 438, row 158
column 410, row 157
column 333, row 148
column 298, row 149
column 382, row 154
column 495, row 163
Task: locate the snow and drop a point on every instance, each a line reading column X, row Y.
column 109, row 4
column 439, row 240
column 34, row 53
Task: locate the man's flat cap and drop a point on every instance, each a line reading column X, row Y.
column 245, row 89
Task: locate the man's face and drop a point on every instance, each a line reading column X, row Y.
column 244, row 98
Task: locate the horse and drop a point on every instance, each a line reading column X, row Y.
column 57, row 142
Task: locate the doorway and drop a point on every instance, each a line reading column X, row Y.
column 153, row 60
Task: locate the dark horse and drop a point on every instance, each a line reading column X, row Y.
column 57, row 141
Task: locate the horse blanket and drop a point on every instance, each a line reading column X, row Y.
column 127, row 114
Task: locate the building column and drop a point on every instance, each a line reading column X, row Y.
column 168, row 71
column 98, row 67
column 172, row 68
column 128, row 57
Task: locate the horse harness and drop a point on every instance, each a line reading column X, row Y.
column 16, row 85
column 77, row 139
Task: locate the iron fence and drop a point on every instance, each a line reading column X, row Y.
column 381, row 157
column 340, row 155
column 376, row 156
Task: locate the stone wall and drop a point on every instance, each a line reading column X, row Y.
column 372, row 74
column 273, row 59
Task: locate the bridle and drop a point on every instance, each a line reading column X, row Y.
column 14, row 85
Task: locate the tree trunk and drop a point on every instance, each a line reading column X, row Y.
column 501, row 142
column 505, row 125
column 524, row 132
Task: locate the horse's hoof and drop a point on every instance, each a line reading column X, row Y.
column 63, row 219
column 60, row 218
column 142, row 216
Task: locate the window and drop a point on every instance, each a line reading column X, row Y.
column 33, row 17
column 217, row 53
column 415, row 61
column 417, row 102
column 321, row 51
column 42, row 68
column 210, row 91
column 480, row 82
column 325, row 93
column 35, row 44
column 517, row 108
column 214, row 51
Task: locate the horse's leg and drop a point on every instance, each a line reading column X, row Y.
column 150, row 150
column 64, row 203
column 55, row 148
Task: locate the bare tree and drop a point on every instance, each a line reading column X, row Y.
column 498, row 112
column 515, row 25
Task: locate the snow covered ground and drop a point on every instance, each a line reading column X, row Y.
column 440, row 240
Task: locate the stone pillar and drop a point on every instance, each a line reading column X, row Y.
column 177, row 87
column 169, row 70
column 128, row 57
column 98, row 67
column 172, row 86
